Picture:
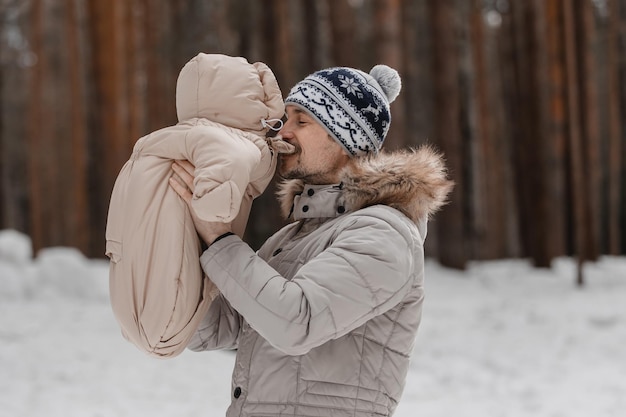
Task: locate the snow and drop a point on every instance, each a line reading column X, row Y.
column 501, row 339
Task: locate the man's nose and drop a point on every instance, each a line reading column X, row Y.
column 286, row 132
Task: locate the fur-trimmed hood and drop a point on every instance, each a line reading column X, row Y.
column 412, row 181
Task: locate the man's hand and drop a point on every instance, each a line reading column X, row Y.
column 182, row 182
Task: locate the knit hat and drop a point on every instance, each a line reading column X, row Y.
column 353, row 106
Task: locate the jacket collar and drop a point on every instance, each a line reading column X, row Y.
column 412, row 181
column 319, row 201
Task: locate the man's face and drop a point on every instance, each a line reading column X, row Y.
column 318, row 158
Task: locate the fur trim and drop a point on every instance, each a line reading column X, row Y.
column 413, row 181
column 286, row 193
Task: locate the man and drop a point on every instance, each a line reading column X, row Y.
column 325, row 314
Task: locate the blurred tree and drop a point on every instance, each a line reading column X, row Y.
column 579, row 174
column 489, row 198
column 343, row 31
column 587, row 87
column 451, row 225
column 616, row 139
column 16, row 56
column 389, row 49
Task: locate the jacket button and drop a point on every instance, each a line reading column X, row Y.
column 277, row 251
column 341, row 209
column 305, row 208
column 310, row 192
column 237, row 392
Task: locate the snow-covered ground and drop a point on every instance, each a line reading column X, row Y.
column 501, row 339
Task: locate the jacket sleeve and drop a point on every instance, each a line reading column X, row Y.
column 366, row 270
column 219, row 329
column 224, row 165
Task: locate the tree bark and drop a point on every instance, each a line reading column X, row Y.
column 15, row 72
column 578, row 181
column 79, row 220
column 343, row 29
column 589, row 116
column 537, row 116
column 552, row 202
column 451, row 221
column 615, row 169
column 389, row 52
column 35, row 133
column 486, row 224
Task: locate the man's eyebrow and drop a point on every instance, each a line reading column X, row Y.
column 296, row 112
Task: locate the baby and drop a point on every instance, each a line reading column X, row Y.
column 225, row 106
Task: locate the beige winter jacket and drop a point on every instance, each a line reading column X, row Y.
column 325, row 315
column 158, row 291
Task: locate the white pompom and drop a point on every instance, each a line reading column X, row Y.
column 389, row 80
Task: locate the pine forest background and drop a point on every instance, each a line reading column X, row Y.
column 526, row 99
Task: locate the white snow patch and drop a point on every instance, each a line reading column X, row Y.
column 502, row 339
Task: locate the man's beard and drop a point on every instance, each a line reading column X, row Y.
column 300, row 173
column 295, row 173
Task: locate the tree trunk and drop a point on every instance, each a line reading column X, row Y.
column 79, row 226
column 521, row 114
column 451, row 221
column 35, row 134
column 619, row 8
column 389, row 52
column 318, row 33
column 343, row 29
column 15, row 71
column 615, row 146
column 284, row 46
column 537, row 117
column 417, row 72
column 552, row 202
column 577, row 166
column 486, row 196
column 501, row 69
column 587, row 85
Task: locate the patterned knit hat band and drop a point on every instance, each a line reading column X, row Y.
column 353, row 106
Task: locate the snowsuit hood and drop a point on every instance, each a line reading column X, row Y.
column 157, row 288
column 229, row 91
